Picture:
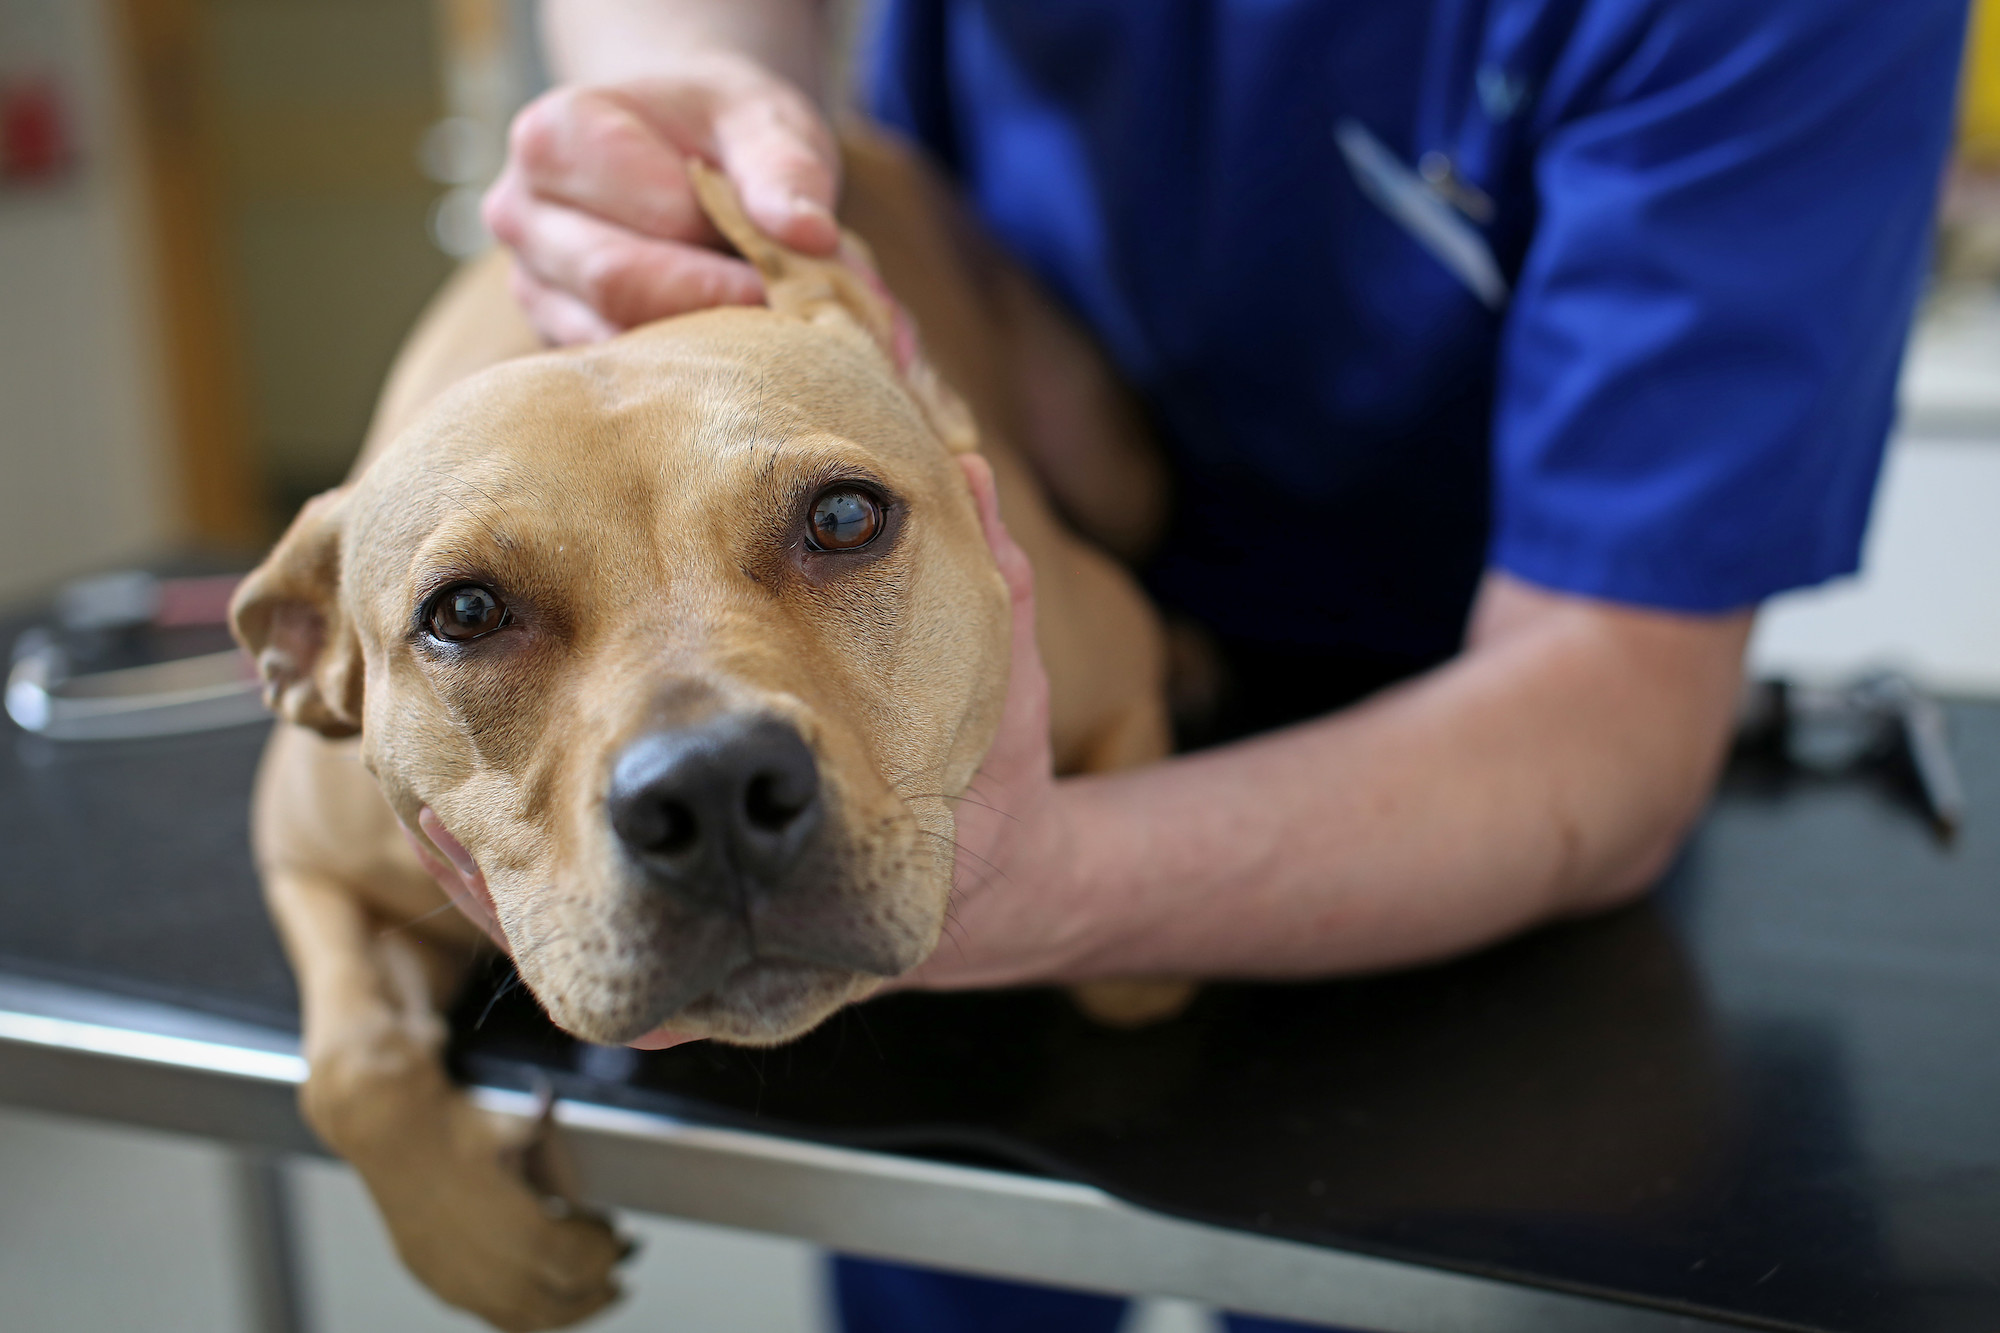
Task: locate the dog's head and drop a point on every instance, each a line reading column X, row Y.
column 688, row 638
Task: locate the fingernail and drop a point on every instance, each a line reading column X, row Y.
column 803, row 208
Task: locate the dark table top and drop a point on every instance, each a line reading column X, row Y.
column 1771, row 1093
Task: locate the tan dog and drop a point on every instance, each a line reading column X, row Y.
column 686, row 643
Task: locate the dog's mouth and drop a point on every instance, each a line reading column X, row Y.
column 769, row 1000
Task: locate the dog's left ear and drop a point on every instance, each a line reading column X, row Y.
column 844, row 289
column 288, row 614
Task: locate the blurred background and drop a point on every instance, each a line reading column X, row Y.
column 217, row 218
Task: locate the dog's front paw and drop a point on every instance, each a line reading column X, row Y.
column 453, row 1185
column 468, row 1223
column 471, row 1225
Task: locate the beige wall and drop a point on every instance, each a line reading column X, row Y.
column 84, row 476
column 319, row 107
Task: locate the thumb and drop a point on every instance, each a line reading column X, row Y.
column 777, row 151
column 1026, row 713
column 1013, row 561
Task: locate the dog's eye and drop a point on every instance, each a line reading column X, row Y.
column 845, row 518
column 466, row 611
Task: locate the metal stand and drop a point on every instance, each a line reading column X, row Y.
column 267, row 1241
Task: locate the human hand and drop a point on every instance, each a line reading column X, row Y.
column 1013, row 918
column 595, row 201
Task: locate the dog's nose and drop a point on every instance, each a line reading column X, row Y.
column 703, row 807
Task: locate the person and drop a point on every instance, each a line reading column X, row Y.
column 1506, row 355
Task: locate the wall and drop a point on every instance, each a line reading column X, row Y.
column 84, row 478
column 320, row 106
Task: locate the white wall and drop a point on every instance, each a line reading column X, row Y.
column 1927, row 601
column 84, row 476
column 115, row 1231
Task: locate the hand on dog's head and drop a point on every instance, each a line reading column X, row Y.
column 688, row 638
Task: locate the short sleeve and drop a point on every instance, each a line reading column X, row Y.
column 1697, row 372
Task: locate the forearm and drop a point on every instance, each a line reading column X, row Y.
column 604, row 41
column 1551, row 769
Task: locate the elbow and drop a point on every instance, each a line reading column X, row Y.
column 1638, row 861
column 1650, row 817
column 1636, row 875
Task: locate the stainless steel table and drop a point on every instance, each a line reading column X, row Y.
column 1769, row 1098
column 139, row 1063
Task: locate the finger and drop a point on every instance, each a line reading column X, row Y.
column 1020, row 750
column 781, row 157
column 766, row 136
column 594, row 151
column 559, row 317
column 625, row 278
column 1013, row 561
column 619, row 276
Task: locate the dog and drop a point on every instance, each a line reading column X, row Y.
column 681, row 648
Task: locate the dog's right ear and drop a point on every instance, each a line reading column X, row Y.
column 288, row 614
column 844, row 289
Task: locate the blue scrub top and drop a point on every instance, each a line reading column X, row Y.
column 1609, row 294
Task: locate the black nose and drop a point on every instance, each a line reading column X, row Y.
column 703, row 807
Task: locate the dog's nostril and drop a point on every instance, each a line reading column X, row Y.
column 665, row 828
column 771, row 801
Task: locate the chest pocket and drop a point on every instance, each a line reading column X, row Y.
column 1469, row 198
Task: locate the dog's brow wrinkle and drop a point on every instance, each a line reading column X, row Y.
column 451, row 479
column 479, row 490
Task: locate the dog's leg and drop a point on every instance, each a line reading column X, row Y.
column 375, row 964
column 452, row 1183
column 447, row 1176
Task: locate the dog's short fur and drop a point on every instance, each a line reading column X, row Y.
column 639, row 508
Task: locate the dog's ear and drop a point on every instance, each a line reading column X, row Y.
column 288, row 614
column 844, row 289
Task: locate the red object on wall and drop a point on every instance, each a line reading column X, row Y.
column 35, row 143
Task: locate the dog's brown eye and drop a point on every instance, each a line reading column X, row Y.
column 845, row 518
column 466, row 611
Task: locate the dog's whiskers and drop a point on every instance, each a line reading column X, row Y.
column 860, row 1015
column 957, row 846
column 952, row 928
column 511, row 983
column 443, row 907
column 979, row 773
column 941, row 796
